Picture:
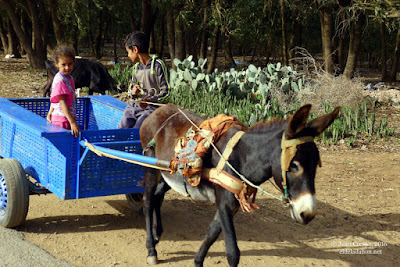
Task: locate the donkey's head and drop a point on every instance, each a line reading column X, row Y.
column 299, row 161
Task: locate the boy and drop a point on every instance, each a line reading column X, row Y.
column 149, row 81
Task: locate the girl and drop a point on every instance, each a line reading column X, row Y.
column 62, row 110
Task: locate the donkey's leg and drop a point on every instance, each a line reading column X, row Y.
column 162, row 188
column 151, row 178
column 213, row 232
column 227, row 208
column 223, row 221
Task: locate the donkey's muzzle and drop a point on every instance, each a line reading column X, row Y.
column 302, row 209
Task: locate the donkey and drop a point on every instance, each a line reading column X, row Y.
column 257, row 156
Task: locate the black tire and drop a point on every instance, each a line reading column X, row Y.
column 14, row 193
column 135, row 201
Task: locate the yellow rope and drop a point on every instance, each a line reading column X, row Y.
column 102, row 154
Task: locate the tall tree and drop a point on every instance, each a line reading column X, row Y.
column 224, row 15
column 204, row 35
column 170, row 31
column 326, row 19
column 13, row 41
column 214, row 50
column 285, row 54
column 57, row 23
column 180, row 40
column 383, row 50
column 35, row 49
column 355, row 42
column 146, row 17
column 3, row 36
column 396, row 58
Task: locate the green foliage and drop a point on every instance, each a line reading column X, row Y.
column 246, row 94
column 253, row 80
column 353, row 123
column 209, row 104
column 121, row 74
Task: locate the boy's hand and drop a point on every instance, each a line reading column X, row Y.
column 136, row 90
column 75, row 129
column 142, row 104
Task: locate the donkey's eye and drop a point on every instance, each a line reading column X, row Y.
column 296, row 168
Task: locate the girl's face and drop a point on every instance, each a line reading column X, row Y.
column 133, row 53
column 65, row 65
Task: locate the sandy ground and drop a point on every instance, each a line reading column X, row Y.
column 357, row 224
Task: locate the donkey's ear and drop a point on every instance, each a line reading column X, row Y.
column 318, row 125
column 297, row 121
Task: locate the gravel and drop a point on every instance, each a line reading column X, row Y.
column 17, row 252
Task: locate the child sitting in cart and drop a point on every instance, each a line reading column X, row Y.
column 62, row 110
column 149, row 81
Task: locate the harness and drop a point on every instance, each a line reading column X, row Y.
column 289, row 149
column 244, row 191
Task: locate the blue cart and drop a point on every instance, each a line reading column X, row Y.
column 37, row 157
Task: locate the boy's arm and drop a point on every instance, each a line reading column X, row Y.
column 162, row 77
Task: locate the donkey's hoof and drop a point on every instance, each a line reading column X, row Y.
column 152, row 260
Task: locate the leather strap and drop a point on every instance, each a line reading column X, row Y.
column 228, row 149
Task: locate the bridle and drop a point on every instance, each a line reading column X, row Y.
column 289, row 149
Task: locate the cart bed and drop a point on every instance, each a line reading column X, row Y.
column 55, row 159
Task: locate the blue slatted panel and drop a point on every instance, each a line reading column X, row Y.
column 51, row 155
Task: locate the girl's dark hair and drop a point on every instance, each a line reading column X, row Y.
column 138, row 39
column 63, row 51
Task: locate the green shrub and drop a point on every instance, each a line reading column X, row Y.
column 255, row 94
column 121, row 74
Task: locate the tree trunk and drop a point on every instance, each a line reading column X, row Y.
column 160, row 39
column 229, row 61
column 341, row 53
column 396, row 56
column 132, row 9
column 26, row 27
column 341, row 45
column 285, row 56
column 180, row 45
column 171, row 34
column 204, row 35
column 4, row 38
column 268, row 46
column 192, row 49
column 325, row 16
column 383, row 50
column 98, row 49
column 354, row 46
column 37, row 53
column 57, row 24
column 146, row 19
column 153, row 35
column 75, row 39
column 46, row 20
column 214, row 50
column 295, row 40
column 12, row 41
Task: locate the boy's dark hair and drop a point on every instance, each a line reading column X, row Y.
column 63, row 51
column 138, row 39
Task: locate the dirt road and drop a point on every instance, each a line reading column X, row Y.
column 358, row 213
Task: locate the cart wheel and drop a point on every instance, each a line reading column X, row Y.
column 14, row 193
column 135, row 201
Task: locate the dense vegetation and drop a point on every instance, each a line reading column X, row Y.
column 340, row 32
column 253, row 94
column 276, row 49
